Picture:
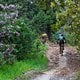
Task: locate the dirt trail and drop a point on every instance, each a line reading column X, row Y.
column 60, row 67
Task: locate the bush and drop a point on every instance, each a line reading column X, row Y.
column 28, row 45
column 24, row 43
column 38, row 48
column 7, row 32
column 69, row 39
column 53, row 37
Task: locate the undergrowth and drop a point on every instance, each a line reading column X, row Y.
column 9, row 72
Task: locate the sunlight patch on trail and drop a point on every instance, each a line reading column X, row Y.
column 62, row 61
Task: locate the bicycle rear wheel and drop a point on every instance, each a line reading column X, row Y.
column 61, row 50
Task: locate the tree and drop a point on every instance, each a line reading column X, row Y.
column 69, row 15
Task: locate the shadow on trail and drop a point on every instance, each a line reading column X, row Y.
column 62, row 67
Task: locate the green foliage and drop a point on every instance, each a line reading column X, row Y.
column 77, row 77
column 40, row 21
column 68, row 16
column 25, row 40
column 53, row 37
column 7, row 32
column 27, row 44
column 38, row 49
column 41, row 14
column 70, row 39
column 29, row 8
column 36, row 16
column 39, row 18
column 10, row 72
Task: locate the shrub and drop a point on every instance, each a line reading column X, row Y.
column 7, row 32
column 25, row 40
column 28, row 45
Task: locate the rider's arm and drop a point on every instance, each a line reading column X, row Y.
column 64, row 40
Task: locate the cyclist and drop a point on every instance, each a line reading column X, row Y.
column 61, row 41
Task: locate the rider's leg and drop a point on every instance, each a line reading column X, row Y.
column 61, row 50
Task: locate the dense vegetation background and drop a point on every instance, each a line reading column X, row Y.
column 22, row 22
